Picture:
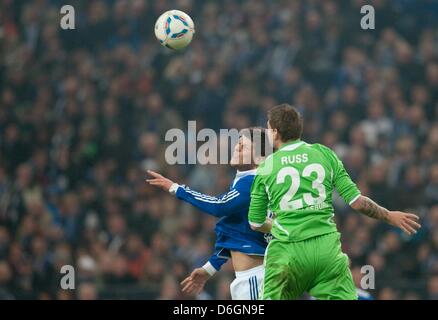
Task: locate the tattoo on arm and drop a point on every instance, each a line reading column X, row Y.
column 373, row 210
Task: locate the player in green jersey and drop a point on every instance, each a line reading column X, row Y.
column 296, row 183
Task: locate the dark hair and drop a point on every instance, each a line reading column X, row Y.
column 257, row 135
column 287, row 120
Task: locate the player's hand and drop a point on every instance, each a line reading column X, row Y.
column 159, row 181
column 405, row 221
column 194, row 283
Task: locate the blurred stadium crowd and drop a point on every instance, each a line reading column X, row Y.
column 84, row 112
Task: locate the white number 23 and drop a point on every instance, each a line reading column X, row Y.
column 286, row 203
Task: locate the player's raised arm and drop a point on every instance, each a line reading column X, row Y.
column 223, row 205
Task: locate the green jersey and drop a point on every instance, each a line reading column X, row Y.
column 296, row 183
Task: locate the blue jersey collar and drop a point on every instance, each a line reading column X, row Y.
column 241, row 174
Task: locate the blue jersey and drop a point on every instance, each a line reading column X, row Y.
column 233, row 231
column 363, row 295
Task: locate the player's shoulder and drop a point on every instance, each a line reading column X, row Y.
column 322, row 153
column 319, row 146
column 265, row 161
column 245, row 182
column 265, row 167
column 326, row 151
column 247, row 179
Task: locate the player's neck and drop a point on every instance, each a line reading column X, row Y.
column 281, row 144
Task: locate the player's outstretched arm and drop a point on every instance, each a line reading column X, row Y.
column 403, row 220
column 159, row 181
column 220, row 206
column 351, row 194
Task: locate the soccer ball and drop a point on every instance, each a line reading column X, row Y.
column 174, row 29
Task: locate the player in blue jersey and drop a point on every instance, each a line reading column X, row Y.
column 234, row 237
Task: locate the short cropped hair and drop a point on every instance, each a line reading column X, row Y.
column 287, row 120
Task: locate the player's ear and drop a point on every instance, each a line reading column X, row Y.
column 275, row 135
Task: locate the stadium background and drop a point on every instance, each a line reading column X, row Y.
column 83, row 112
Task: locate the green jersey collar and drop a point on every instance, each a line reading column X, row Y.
column 292, row 145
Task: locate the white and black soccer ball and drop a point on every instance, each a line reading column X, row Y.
column 174, row 29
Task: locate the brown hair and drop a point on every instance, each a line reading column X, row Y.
column 287, row 120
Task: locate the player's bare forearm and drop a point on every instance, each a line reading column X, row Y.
column 403, row 220
column 371, row 209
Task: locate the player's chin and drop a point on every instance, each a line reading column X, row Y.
column 234, row 162
column 238, row 166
